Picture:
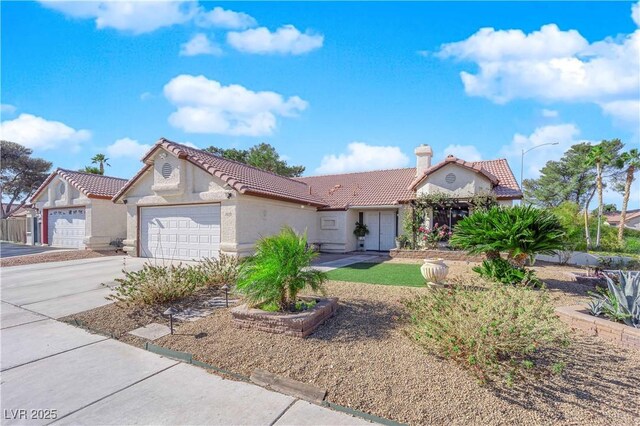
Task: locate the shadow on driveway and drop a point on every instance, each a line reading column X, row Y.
column 12, row 249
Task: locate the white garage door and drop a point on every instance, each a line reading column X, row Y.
column 66, row 227
column 180, row 232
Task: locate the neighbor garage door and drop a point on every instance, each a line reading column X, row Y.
column 180, row 232
column 66, row 227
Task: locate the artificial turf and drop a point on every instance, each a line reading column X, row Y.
column 404, row 274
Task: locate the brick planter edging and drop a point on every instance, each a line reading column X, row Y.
column 577, row 318
column 299, row 324
column 434, row 254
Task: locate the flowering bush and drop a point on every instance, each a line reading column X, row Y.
column 430, row 237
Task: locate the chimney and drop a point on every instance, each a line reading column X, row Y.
column 423, row 158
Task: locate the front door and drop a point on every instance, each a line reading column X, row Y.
column 382, row 230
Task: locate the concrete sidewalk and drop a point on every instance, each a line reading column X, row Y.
column 82, row 378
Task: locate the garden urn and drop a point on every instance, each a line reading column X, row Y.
column 434, row 270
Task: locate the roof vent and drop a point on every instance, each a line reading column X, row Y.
column 166, row 170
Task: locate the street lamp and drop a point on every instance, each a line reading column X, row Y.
column 530, row 149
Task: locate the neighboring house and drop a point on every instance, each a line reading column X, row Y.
column 76, row 210
column 632, row 219
column 186, row 203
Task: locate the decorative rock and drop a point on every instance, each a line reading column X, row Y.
column 151, row 331
column 203, row 310
column 434, row 270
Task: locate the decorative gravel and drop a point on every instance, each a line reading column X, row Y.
column 54, row 256
column 364, row 359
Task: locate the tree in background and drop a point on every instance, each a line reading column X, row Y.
column 91, row 169
column 20, row 175
column 262, row 156
column 568, row 179
column 602, row 156
column 631, row 161
column 101, row 160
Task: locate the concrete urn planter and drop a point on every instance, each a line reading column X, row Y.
column 434, row 270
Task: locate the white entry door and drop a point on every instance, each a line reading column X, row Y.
column 184, row 232
column 382, row 230
column 66, row 227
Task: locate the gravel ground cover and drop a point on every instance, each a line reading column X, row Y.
column 54, row 256
column 364, row 359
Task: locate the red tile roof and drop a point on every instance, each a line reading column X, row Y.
column 243, row 178
column 376, row 188
column 497, row 171
column 91, row 185
column 614, row 217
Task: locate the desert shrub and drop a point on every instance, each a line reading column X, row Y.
column 520, row 231
column 279, row 270
column 494, row 332
column 620, row 301
column 501, row 271
column 157, row 284
column 223, row 270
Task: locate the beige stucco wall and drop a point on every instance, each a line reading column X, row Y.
column 467, row 183
column 104, row 220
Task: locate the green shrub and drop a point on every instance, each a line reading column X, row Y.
column 501, row 271
column 157, row 284
column 494, row 332
column 520, row 231
column 279, row 270
column 223, row 270
column 620, row 301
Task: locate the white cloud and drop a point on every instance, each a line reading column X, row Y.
column 228, row 19
column 550, row 113
column 362, row 157
column 200, row 45
column 564, row 134
column 127, row 147
column 37, row 133
column 464, row 152
column 285, row 40
column 625, row 112
column 550, row 65
column 7, row 108
column 145, row 96
column 635, row 13
column 137, row 17
column 206, row 106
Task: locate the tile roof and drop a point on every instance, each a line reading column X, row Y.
column 497, row 171
column 91, row 185
column 614, row 217
column 379, row 187
column 241, row 177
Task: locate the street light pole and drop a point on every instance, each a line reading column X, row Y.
column 522, row 158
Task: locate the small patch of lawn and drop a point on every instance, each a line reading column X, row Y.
column 405, row 274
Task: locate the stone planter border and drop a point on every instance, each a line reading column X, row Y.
column 577, row 318
column 299, row 324
column 434, row 254
column 583, row 278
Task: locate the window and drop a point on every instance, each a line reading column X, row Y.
column 450, row 178
column 61, row 188
column 166, row 170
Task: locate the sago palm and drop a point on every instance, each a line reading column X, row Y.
column 279, row 270
column 520, row 231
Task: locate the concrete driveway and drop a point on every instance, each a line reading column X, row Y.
column 53, row 373
column 12, row 249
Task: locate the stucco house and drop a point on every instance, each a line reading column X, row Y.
column 186, row 203
column 632, row 219
column 76, row 211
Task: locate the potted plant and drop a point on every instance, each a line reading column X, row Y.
column 270, row 282
column 360, row 231
column 401, row 241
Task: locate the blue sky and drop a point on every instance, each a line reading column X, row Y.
column 333, row 86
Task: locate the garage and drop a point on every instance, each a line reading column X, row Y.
column 66, row 227
column 183, row 232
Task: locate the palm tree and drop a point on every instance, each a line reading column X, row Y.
column 101, row 160
column 631, row 160
column 599, row 156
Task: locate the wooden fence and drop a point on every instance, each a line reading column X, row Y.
column 13, row 229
